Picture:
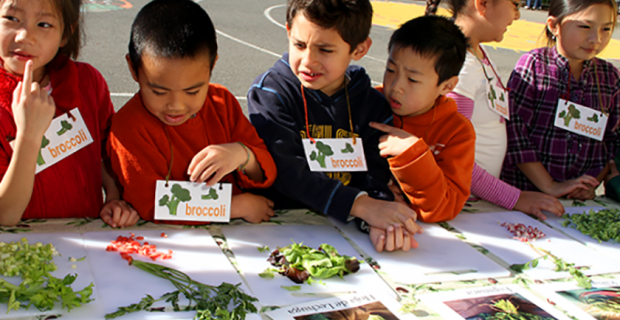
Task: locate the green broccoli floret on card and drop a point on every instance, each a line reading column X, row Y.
column 178, row 194
column 348, row 148
column 573, row 113
column 212, row 195
column 594, row 118
column 44, row 144
column 492, row 96
column 324, row 150
column 66, row 126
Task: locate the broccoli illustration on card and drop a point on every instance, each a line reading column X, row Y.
column 211, row 196
column 593, row 118
column 323, row 151
column 492, row 96
column 44, row 143
column 65, row 126
column 348, row 148
column 178, row 194
column 573, row 113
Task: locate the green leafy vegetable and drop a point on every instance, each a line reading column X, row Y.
column 212, row 195
column 291, row 288
column 602, row 225
column 33, row 262
column 263, row 249
column 178, row 194
column 324, row 150
column 210, row 302
column 44, row 143
column 506, row 310
column 65, row 126
column 299, row 262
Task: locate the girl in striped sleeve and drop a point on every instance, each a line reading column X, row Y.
column 481, row 97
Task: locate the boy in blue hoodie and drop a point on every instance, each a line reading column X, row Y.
column 313, row 88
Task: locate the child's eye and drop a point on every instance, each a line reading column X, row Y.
column 606, row 29
column 44, row 25
column 158, row 93
column 413, row 80
column 10, row 18
column 327, row 50
column 300, row 45
column 584, row 26
column 389, row 70
column 192, row 93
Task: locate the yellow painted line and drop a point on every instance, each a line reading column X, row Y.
column 521, row 36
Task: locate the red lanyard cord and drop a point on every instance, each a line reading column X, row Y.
column 346, row 91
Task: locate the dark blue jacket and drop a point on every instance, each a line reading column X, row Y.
column 277, row 111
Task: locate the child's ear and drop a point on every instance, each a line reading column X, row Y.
column 481, row 6
column 553, row 25
column 448, row 85
column 362, row 49
column 131, row 68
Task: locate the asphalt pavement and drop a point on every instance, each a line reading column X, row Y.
column 251, row 37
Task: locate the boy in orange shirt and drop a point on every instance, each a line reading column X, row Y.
column 179, row 125
column 431, row 145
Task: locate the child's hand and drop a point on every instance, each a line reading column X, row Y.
column 33, row 108
column 215, row 161
column 119, row 214
column 581, row 194
column 559, row 189
column 383, row 214
column 398, row 193
column 392, row 239
column 533, row 203
column 395, row 142
column 251, row 208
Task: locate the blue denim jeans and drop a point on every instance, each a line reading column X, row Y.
column 534, row 4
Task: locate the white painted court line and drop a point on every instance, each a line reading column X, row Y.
column 267, row 13
column 249, row 44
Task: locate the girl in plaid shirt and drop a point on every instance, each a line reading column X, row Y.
column 542, row 155
column 486, row 21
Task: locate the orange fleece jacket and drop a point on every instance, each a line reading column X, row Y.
column 140, row 152
column 436, row 179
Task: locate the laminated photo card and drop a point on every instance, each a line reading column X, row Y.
column 493, row 302
column 601, row 302
column 347, row 307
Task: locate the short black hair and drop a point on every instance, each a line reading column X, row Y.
column 433, row 37
column 351, row 18
column 172, row 29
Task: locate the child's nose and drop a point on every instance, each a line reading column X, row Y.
column 309, row 58
column 24, row 35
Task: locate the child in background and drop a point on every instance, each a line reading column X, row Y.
column 179, row 124
column 312, row 92
column 486, row 21
column 541, row 155
column 431, row 145
column 39, row 81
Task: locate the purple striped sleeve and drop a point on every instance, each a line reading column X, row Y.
column 492, row 189
column 464, row 105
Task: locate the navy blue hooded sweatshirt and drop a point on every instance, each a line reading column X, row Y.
column 276, row 110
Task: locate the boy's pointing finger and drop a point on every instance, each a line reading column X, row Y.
column 383, row 127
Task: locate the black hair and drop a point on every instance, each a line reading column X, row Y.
column 172, row 29
column 433, row 37
column 562, row 8
column 455, row 6
column 351, row 18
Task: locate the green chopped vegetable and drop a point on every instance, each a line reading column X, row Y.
column 33, row 262
column 602, row 225
column 291, row 288
column 210, row 302
column 263, row 249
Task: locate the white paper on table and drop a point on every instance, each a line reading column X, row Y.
column 560, row 294
column 485, row 229
column 195, row 253
column 611, row 248
column 368, row 302
column 468, row 303
column 440, row 256
column 244, row 241
column 69, row 245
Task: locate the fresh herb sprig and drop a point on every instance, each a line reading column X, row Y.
column 33, row 262
column 560, row 265
column 602, row 225
column 210, row 302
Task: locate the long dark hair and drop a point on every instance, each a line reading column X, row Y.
column 560, row 9
column 454, row 6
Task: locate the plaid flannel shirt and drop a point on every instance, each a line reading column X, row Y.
column 539, row 79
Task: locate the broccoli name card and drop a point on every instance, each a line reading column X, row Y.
column 191, row 201
column 498, row 99
column 65, row 136
column 580, row 119
column 331, row 155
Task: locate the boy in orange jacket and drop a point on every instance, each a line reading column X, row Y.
column 179, row 125
column 431, row 145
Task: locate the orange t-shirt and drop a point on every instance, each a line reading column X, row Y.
column 435, row 172
column 140, row 150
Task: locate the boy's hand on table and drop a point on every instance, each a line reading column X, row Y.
column 33, row 108
column 251, row 208
column 533, row 203
column 395, row 142
column 119, row 214
column 559, row 189
column 391, row 239
column 383, row 214
column 581, row 194
column 215, row 161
